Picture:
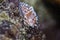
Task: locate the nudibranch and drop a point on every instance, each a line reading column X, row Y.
column 30, row 17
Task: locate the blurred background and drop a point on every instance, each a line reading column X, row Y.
column 48, row 13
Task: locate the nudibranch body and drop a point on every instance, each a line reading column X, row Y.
column 30, row 17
